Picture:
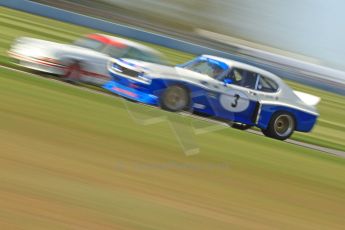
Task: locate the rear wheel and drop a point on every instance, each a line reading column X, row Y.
column 72, row 72
column 175, row 98
column 281, row 126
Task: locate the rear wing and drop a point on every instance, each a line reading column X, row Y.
column 308, row 98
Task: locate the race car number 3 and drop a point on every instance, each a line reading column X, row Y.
column 234, row 102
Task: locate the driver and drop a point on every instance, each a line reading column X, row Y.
column 216, row 71
column 236, row 77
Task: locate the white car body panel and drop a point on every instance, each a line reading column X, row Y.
column 284, row 96
column 32, row 53
column 308, row 98
column 92, row 61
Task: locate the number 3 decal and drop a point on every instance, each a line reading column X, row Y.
column 235, row 103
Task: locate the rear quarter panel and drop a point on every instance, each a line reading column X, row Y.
column 305, row 121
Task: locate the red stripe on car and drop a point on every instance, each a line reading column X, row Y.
column 129, row 93
column 37, row 61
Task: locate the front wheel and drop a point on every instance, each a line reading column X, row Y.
column 281, row 126
column 175, row 98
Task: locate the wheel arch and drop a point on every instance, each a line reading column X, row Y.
column 267, row 113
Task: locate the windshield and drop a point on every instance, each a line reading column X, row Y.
column 147, row 56
column 205, row 66
column 90, row 44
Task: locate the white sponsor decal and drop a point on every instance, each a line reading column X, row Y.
column 199, row 106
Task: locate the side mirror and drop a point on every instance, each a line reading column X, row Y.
column 227, row 81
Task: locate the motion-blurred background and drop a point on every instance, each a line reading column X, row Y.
column 73, row 158
column 309, row 30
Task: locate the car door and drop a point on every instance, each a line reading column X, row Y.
column 238, row 99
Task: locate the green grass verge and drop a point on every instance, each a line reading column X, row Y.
column 330, row 131
column 73, row 159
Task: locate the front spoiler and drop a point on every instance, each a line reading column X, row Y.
column 131, row 93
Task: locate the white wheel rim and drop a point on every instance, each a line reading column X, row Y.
column 176, row 98
column 283, row 125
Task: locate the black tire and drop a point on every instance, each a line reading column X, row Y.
column 175, row 98
column 72, row 72
column 281, row 126
column 240, row 126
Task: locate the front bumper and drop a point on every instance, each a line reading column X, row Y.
column 131, row 93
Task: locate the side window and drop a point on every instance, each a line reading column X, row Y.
column 266, row 84
column 90, row 44
column 243, row 78
column 134, row 54
column 116, row 52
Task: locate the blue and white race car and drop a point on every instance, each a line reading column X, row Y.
column 241, row 94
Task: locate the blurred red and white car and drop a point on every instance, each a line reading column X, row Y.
column 85, row 60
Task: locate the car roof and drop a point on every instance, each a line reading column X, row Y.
column 126, row 43
column 241, row 65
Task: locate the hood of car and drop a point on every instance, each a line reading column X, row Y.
column 162, row 71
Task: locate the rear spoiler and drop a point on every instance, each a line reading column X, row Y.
column 308, row 98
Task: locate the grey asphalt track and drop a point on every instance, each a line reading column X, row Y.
column 322, row 149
